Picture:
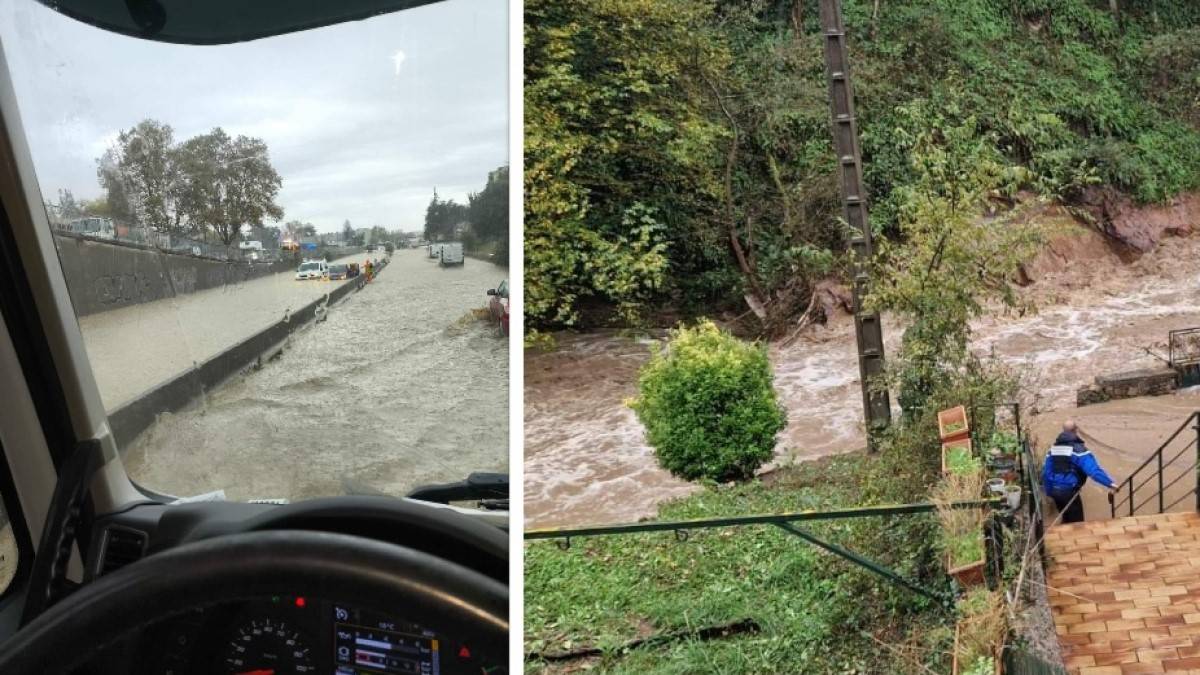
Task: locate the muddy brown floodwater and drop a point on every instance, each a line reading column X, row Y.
column 586, row 461
column 400, row 386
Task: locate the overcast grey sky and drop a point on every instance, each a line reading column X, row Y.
column 362, row 119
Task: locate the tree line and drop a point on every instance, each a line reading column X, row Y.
column 208, row 183
column 483, row 219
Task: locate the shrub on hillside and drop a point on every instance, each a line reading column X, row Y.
column 708, row 405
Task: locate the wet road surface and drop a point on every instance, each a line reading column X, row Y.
column 135, row 348
column 400, row 386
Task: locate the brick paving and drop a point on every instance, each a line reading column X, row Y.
column 1126, row 594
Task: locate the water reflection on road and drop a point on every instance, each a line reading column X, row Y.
column 399, row 386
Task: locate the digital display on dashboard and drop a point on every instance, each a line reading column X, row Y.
column 364, row 643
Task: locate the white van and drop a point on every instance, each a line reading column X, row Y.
column 451, row 254
column 312, row 269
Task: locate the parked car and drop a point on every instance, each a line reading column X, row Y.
column 312, row 269
column 498, row 306
column 340, row 271
column 451, row 254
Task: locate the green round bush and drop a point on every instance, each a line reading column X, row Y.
column 708, row 405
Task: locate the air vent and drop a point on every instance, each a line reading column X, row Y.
column 121, row 547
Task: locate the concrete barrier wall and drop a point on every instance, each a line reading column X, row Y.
column 131, row 419
column 105, row 275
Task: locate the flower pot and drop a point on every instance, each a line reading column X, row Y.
column 950, row 446
column 1013, row 494
column 967, row 575
column 952, row 423
column 996, row 485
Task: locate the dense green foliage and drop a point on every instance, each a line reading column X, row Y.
column 678, row 151
column 487, row 211
column 959, row 460
column 708, row 405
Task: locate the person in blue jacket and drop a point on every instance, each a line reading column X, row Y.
column 1068, row 466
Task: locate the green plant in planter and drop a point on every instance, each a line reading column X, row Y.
column 961, row 528
column 965, row 549
column 984, row 665
column 960, row 461
column 1006, row 442
column 954, row 427
column 982, row 628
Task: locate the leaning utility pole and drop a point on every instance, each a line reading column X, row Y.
column 877, row 407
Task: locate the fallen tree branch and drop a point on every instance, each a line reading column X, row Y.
column 707, row 633
column 803, row 322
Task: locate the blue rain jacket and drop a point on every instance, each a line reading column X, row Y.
column 1067, row 471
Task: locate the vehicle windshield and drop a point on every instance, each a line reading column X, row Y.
column 220, row 370
column 337, row 269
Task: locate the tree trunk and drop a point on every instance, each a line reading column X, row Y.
column 1115, row 7
column 730, row 216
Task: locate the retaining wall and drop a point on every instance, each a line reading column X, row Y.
column 131, row 419
column 104, row 275
column 1130, row 384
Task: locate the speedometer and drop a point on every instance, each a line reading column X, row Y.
column 267, row 647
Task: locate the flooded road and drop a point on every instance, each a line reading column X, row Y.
column 586, row 461
column 400, row 386
column 135, row 348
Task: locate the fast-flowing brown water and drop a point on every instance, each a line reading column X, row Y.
column 586, row 460
column 398, row 387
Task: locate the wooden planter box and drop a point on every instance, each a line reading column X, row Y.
column 956, row 668
column 949, row 445
column 967, row 575
column 956, row 416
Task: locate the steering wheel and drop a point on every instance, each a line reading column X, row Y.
column 374, row 575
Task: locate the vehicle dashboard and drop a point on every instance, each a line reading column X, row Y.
column 297, row 634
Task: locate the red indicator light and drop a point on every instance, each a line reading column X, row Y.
column 299, row 601
column 464, row 653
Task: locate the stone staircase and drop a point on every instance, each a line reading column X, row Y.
column 1125, row 593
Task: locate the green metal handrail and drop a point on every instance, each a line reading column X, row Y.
column 759, row 519
column 785, row 522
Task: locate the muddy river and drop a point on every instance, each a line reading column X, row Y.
column 400, row 386
column 586, row 460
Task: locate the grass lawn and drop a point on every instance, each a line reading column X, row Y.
column 817, row 612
